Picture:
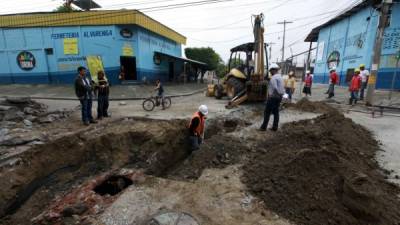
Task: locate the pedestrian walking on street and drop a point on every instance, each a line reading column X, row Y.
column 197, row 128
column 364, row 73
column 83, row 90
column 290, row 85
column 333, row 80
column 354, row 87
column 276, row 90
column 307, row 83
column 103, row 91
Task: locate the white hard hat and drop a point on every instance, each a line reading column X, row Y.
column 203, row 109
column 274, row 66
column 308, row 71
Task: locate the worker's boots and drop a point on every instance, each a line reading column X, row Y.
column 350, row 101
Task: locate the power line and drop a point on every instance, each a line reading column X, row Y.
column 109, row 14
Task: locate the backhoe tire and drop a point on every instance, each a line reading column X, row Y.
column 234, row 86
column 218, row 91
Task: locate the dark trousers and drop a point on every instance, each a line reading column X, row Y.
column 363, row 87
column 272, row 106
column 102, row 106
column 86, row 108
column 195, row 142
column 353, row 97
column 289, row 92
column 331, row 90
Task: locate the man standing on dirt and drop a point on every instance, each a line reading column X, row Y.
column 307, row 83
column 276, row 90
column 354, row 87
column 83, row 90
column 197, row 127
column 364, row 80
column 333, row 79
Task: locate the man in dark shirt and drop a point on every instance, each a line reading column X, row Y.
column 103, row 90
column 197, row 127
column 83, row 90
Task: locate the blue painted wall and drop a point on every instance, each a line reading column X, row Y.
column 353, row 38
column 103, row 41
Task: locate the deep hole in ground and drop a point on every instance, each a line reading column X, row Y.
column 113, row 185
column 52, row 169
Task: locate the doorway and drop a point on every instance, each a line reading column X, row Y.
column 171, row 71
column 129, row 64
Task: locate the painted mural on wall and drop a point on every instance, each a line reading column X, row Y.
column 26, row 60
column 333, row 60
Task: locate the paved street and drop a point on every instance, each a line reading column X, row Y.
column 117, row 92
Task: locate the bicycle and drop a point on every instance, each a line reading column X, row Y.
column 150, row 103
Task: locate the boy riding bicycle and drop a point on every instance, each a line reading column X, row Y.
column 160, row 94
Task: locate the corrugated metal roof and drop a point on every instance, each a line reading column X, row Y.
column 87, row 18
column 313, row 35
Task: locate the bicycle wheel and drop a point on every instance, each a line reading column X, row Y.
column 148, row 104
column 167, row 102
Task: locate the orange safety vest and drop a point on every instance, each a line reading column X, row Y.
column 200, row 128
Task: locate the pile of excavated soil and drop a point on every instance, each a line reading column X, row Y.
column 323, row 171
column 307, row 106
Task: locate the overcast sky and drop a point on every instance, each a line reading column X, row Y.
column 222, row 25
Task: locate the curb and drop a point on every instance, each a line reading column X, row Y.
column 110, row 99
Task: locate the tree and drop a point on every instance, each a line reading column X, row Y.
column 235, row 63
column 206, row 55
column 66, row 7
column 221, row 70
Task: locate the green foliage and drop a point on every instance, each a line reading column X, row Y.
column 221, row 70
column 65, row 9
column 206, row 55
column 235, row 63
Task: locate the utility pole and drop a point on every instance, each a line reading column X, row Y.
column 395, row 75
column 383, row 22
column 270, row 49
column 283, row 40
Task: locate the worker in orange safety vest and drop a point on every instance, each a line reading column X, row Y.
column 197, row 127
column 354, row 87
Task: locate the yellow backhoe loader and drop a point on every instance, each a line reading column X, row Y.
column 245, row 79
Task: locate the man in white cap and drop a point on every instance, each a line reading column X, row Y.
column 276, row 90
column 196, row 127
column 307, row 83
column 333, row 79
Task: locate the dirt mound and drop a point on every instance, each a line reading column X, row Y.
column 323, row 171
column 305, row 105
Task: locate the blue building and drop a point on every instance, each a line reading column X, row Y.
column 347, row 41
column 48, row 47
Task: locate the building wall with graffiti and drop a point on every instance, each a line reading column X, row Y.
column 52, row 54
column 349, row 42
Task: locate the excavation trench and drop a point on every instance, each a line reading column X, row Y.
column 48, row 170
column 317, row 171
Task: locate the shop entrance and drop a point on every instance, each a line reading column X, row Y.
column 129, row 65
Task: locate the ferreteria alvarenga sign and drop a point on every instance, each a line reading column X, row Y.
column 86, row 34
column 26, row 60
